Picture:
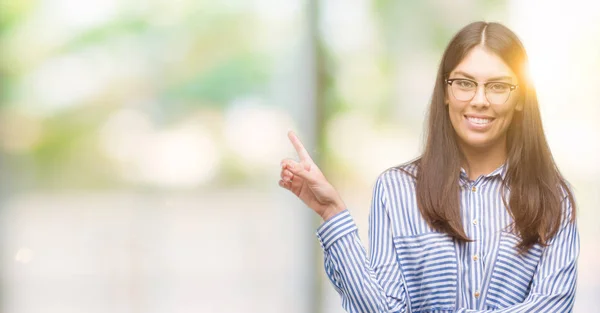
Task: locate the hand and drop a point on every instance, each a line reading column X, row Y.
column 308, row 183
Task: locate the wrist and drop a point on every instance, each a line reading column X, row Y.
column 333, row 210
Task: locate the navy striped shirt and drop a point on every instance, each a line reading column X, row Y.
column 412, row 268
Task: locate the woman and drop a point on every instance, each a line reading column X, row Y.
column 482, row 221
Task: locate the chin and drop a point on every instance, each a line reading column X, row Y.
column 477, row 142
column 478, row 145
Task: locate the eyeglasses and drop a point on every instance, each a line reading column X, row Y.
column 495, row 92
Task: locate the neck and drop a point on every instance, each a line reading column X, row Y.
column 482, row 161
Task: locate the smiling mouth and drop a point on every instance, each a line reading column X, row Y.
column 479, row 120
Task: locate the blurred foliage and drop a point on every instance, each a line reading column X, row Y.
column 12, row 12
column 222, row 83
column 207, row 58
column 136, row 26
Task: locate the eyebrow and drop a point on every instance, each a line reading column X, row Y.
column 497, row 78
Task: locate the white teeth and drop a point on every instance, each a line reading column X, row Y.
column 479, row 121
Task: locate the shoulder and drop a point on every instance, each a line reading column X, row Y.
column 398, row 178
column 396, row 186
column 405, row 171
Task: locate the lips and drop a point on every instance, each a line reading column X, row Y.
column 479, row 120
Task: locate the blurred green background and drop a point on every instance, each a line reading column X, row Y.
column 141, row 140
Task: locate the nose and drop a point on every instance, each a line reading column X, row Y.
column 480, row 99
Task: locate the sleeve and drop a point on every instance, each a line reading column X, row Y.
column 553, row 286
column 365, row 284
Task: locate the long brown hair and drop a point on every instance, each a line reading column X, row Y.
column 536, row 186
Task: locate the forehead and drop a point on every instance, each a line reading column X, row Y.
column 482, row 64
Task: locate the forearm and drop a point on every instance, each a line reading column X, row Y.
column 353, row 276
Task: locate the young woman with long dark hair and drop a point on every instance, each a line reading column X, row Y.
column 481, row 221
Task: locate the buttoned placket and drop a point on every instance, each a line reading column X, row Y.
column 476, row 268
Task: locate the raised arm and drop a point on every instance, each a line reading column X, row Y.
column 370, row 283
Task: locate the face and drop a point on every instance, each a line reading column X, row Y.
column 483, row 120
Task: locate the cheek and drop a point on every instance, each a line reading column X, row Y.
column 455, row 110
column 505, row 121
column 506, row 112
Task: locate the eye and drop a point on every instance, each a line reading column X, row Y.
column 465, row 84
column 499, row 87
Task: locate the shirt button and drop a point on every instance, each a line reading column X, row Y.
column 475, row 222
column 476, row 294
column 475, row 257
column 473, row 189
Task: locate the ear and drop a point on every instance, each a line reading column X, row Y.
column 446, row 91
column 520, row 100
column 519, row 106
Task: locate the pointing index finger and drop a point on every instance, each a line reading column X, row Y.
column 302, row 153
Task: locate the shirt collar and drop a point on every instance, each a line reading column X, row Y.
column 500, row 171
